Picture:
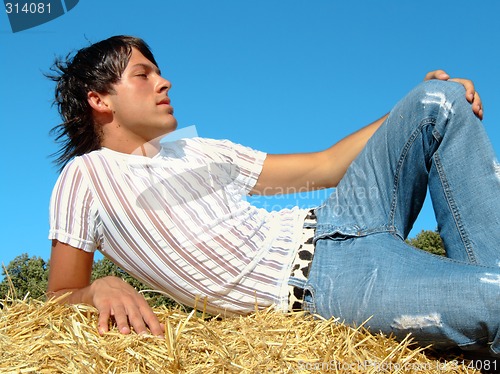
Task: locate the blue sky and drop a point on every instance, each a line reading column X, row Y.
column 281, row 76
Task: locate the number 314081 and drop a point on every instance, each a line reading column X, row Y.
column 32, row 8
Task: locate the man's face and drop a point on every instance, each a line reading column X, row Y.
column 140, row 103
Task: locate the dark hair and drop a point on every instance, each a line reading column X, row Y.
column 94, row 68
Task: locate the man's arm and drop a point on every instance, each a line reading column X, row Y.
column 312, row 171
column 317, row 170
column 70, row 271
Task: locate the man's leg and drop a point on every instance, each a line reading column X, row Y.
column 362, row 268
column 396, row 289
column 431, row 137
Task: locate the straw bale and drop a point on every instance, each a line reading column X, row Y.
column 47, row 337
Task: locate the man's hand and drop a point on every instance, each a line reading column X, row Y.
column 470, row 93
column 115, row 298
column 70, row 270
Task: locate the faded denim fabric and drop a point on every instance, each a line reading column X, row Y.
column 362, row 268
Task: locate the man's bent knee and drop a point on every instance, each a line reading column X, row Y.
column 434, row 98
column 443, row 94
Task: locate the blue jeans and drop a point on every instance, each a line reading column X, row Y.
column 363, row 269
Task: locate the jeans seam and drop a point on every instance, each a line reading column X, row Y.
column 454, row 209
column 401, row 160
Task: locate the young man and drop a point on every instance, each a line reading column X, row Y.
column 173, row 214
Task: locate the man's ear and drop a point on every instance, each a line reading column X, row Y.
column 98, row 102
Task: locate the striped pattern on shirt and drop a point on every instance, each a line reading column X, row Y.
column 179, row 221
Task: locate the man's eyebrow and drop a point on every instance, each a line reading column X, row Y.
column 148, row 67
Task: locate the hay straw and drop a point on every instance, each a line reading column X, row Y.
column 47, row 337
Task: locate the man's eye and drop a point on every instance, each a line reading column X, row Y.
column 142, row 75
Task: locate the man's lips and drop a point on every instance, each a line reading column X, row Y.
column 166, row 102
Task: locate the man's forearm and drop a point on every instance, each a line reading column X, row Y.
column 341, row 154
column 311, row 171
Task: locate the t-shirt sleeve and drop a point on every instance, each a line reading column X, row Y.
column 73, row 217
column 245, row 163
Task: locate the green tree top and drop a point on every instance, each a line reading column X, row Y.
column 28, row 275
column 429, row 241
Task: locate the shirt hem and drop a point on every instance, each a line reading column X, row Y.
column 63, row 237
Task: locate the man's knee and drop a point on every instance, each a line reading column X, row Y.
column 444, row 94
column 434, row 98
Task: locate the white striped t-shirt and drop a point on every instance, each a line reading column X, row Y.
column 179, row 222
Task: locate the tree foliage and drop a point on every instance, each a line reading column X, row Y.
column 28, row 275
column 429, row 241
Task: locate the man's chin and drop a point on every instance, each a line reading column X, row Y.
column 166, row 130
column 174, row 124
column 171, row 125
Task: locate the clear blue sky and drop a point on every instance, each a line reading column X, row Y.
column 280, row 76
